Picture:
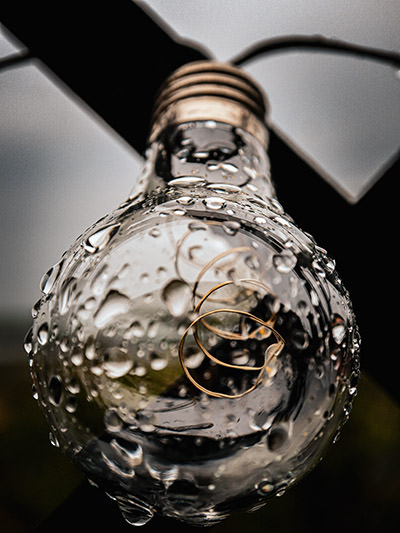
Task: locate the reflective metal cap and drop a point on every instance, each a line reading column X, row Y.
column 210, row 90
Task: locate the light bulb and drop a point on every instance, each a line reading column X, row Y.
column 194, row 351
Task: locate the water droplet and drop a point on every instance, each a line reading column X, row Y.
column 55, row 390
column 300, row 339
column 35, row 308
column 260, row 421
column 117, row 363
column 183, row 154
column 250, row 172
column 28, row 341
column 43, row 334
column 135, row 330
column 224, row 188
column 195, row 252
column 98, row 240
column 77, row 357
column 48, row 279
column 145, row 421
column 53, row 440
column 65, row 296
column 319, row 269
column 265, row 487
column 260, row 220
column 214, row 203
column 284, row 262
column 152, row 329
column 276, row 438
column 187, row 181
column 157, row 362
column 229, row 167
column 114, row 304
column 35, row 394
column 179, row 212
column 200, row 154
column 140, row 371
column 71, row 404
column 130, row 452
column 338, row 331
column 176, row 296
column 155, row 232
column 73, row 386
column 112, row 421
column 135, row 514
column 185, row 200
column 231, row 227
column 314, row 298
column 144, row 278
column 193, row 358
column 161, row 272
column 253, row 262
column 282, row 221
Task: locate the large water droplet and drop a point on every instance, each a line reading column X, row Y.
column 176, row 296
column 265, row 487
column 152, row 329
column 229, row 167
column 117, row 363
column 276, row 438
column 135, row 330
column 231, row 227
column 285, row 261
column 114, row 304
column 48, row 279
column 130, row 452
column 185, row 200
column 135, row 514
column 43, row 334
column 77, row 357
column 214, row 203
column 53, row 440
column 338, row 330
column 28, row 341
column 187, row 181
column 252, row 262
column 65, row 296
column 55, row 390
column 71, row 404
column 157, row 362
column 112, row 421
column 98, row 240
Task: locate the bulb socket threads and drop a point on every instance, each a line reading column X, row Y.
column 209, row 90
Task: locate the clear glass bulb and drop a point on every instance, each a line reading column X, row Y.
column 194, row 351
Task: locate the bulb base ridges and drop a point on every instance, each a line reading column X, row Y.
column 209, row 90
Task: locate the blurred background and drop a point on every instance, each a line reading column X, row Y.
column 62, row 167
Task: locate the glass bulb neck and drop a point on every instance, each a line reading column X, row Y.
column 209, row 129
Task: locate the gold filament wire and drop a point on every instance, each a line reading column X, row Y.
column 266, row 328
column 230, row 335
column 211, row 263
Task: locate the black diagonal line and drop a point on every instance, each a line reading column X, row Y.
column 113, row 55
column 362, row 239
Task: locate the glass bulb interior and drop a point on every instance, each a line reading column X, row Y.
column 194, row 351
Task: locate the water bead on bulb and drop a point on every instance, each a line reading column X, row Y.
column 195, row 351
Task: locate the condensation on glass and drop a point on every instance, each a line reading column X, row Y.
column 194, row 351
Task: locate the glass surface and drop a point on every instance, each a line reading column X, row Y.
column 194, row 351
